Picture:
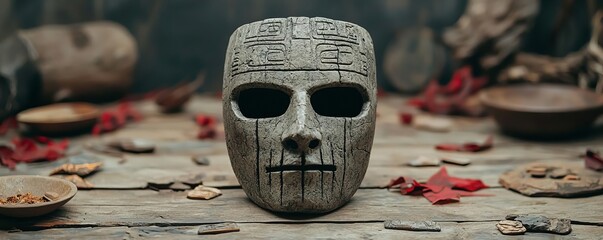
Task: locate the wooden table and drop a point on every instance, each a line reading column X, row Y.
column 121, row 205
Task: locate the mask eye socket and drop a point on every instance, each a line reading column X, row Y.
column 338, row 101
column 262, row 102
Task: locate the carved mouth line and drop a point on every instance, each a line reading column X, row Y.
column 330, row 168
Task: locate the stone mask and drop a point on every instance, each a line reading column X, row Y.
column 299, row 111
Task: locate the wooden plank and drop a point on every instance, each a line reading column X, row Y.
column 146, row 207
column 373, row 230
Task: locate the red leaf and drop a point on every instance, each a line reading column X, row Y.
column 205, row 120
column 26, row 150
column 406, row 118
column 593, row 160
column 467, row 147
column 207, row 133
column 116, row 118
column 441, row 188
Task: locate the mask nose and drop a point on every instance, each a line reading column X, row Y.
column 301, row 143
column 303, row 135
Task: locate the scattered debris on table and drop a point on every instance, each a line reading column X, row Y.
column 79, row 182
column 424, row 161
column 539, row 223
column 26, row 198
column 218, row 228
column 81, row 170
column 440, row 188
column 432, row 123
column 26, row 150
column 593, row 160
column 203, row 192
column 457, row 161
column 133, row 145
column 201, row 160
column 457, row 97
column 511, row 227
column 207, row 126
column 544, row 180
column 425, row 226
column 116, row 118
column 467, row 147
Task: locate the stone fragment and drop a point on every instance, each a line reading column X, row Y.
column 51, row 196
column 559, row 173
column 201, row 160
column 133, row 145
column 426, row 226
column 431, row 123
column 203, row 192
column 218, row 228
column 178, row 186
column 456, row 161
column 424, row 161
column 540, row 223
column 571, row 178
column 510, row 227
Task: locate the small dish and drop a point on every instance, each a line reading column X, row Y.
column 542, row 110
column 36, row 185
column 60, row 118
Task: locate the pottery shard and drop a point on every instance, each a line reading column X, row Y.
column 81, row 170
column 423, row 161
column 203, row 192
column 580, row 182
column 218, row 228
column 79, row 182
column 427, row 226
column 510, row 227
column 539, row 223
column 133, row 145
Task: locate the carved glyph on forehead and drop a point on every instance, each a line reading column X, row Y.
column 299, row 43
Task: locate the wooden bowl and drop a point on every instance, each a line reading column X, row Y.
column 542, row 110
column 36, row 185
column 60, row 118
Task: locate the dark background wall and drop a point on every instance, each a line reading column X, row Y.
column 179, row 38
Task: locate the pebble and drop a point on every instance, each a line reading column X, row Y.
column 203, row 192
column 201, row 160
column 424, row 161
column 537, row 172
column 218, row 228
column 134, row 145
column 510, row 227
column 539, row 223
column 559, row 173
column 427, row 226
column 432, row 123
column 457, row 161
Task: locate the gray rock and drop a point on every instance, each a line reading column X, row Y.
column 299, row 108
column 201, row 160
column 427, row 226
column 539, row 223
column 510, row 227
column 218, row 228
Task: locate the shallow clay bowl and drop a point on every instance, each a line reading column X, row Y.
column 542, row 110
column 36, row 185
column 59, row 118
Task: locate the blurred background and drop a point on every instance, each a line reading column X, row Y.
column 177, row 41
column 178, row 38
